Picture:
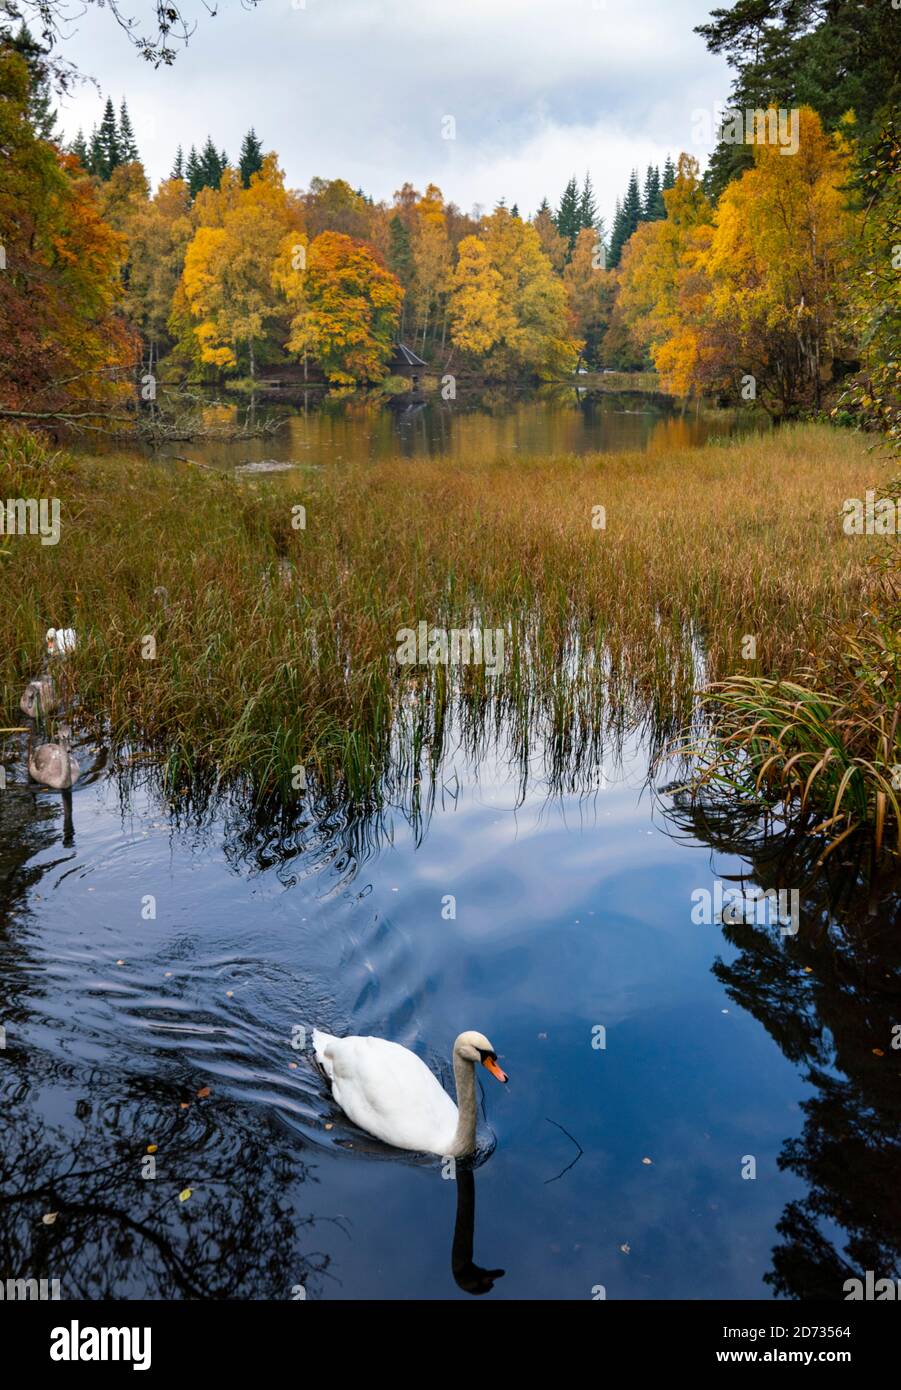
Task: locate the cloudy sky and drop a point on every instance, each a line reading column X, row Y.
column 361, row 89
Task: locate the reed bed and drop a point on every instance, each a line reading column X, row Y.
column 827, row 745
column 275, row 646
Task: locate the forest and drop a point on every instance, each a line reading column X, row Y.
column 770, row 279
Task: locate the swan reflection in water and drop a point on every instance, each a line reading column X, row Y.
column 469, row 1276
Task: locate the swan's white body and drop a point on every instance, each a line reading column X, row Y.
column 388, row 1091
column 60, row 641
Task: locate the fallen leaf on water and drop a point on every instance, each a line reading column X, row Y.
column 647, row 1160
column 626, row 1249
column 808, row 970
column 330, row 1126
column 151, row 1148
column 229, row 994
column 184, row 1105
column 184, row 1194
column 49, row 1217
column 293, row 1066
column 878, row 1052
column 120, row 962
column 203, row 1093
column 168, row 975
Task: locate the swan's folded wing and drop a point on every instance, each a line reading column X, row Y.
column 388, row 1091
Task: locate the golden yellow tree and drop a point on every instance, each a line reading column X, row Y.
column 229, row 264
column 475, row 305
column 778, row 265
column 750, row 301
column 289, row 275
column 347, row 308
column 158, row 231
column 534, row 318
column 431, row 260
column 658, row 269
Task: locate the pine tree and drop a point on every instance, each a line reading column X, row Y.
column 669, row 175
column 569, row 213
column 514, row 211
column 627, row 219
column 617, row 237
column 110, row 149
column 659, row 210
column 178, row 168
column 79, row 148
column 400, row 260
column 95, row 164
column 128, row 146
column 194, row 173
column 211, row 165
column 250, row 160
column 632, row 203
column 400, row 251
column 650, row 200
column 588, row 210
column 41, row 115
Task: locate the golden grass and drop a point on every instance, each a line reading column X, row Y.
column 275, row 645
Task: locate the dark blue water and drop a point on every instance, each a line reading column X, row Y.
column 571, row 913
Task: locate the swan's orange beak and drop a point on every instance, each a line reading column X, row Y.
column 493, row 1067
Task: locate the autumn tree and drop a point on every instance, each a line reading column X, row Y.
column 350, row 308
column 778, row 263
column 123, row 195
column 289, row 279
column 534, row 325
column 590, row 290
column 554, row 246
column 331, row 205
column 157, row 233
column 475, row 299
column 229, row 262
column 61, row 332
column 431, row 262
column 656, row 262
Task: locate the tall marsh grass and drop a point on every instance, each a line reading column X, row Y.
column 274, row 645
column 827, row 744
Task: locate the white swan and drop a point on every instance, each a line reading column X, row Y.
column 388, row 1091
column 53, row 764
column 60, row 641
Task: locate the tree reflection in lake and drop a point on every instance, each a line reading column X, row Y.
column 830, row 996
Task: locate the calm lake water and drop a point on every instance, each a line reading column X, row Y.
column 695, row 1110
column 322, row 429
column 573, row 926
